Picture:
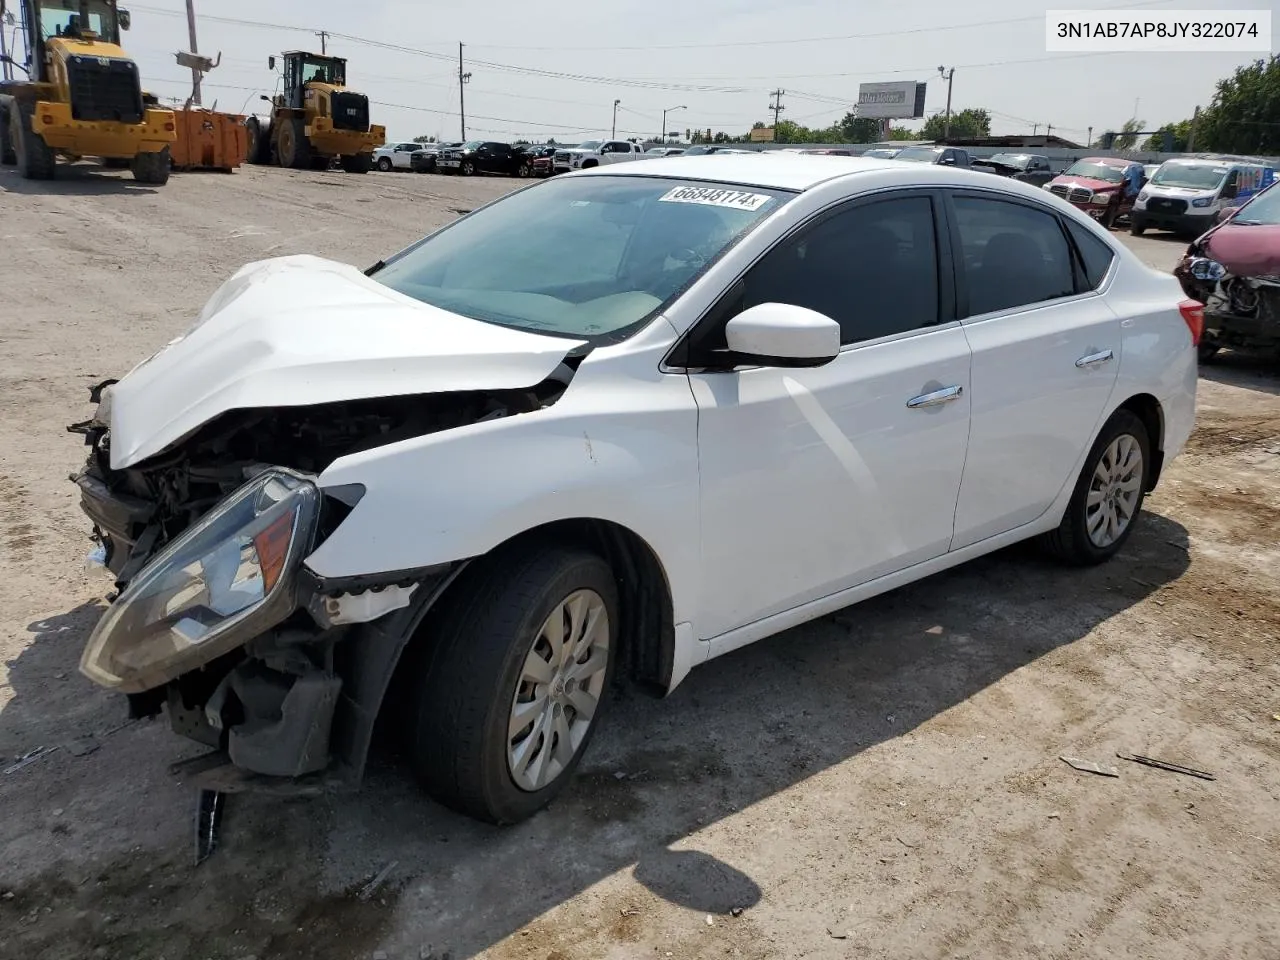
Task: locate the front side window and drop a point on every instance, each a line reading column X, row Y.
column 873, row 268
column 320, row 70
column 1011, row 255
column 592, row 258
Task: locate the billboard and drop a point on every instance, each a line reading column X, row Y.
column 900, row 100
column 762, row 135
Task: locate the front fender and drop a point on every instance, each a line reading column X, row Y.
column 620, row 445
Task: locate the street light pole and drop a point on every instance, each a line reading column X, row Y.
column 947, row 75
column 664, row 120
column 614, row 134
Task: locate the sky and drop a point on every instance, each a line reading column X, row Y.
column 719, row 59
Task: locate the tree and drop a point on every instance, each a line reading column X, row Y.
column 1181, row 136
column 1244, row 116
column 854, row 129
column 424, row 139
column 1128, row 136
column 902, row 133
column 966, row 125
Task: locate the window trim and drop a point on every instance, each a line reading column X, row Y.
column 684, row 350
column 961, row 279
column 1082, row 284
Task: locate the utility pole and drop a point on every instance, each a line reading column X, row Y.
column 777, row 108
column 191, row 31
column 1089, row 137
column 613, row 134
column 1035, row 128
column 1049, row 131
column 463, row 78
column 947, row 76
column 324, row 37
column 1191, row 137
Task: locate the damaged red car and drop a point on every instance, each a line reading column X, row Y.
column 1234, row 270
column 1095, row 185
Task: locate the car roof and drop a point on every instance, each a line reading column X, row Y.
column 776, row 170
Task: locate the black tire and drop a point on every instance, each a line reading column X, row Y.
column 466, row 675
column 467, row 169
column 34, row 158
column 152, row 167
column 358, row 163
column 1136, row 227
column 7, row 157
column 524, row 170
column 588, row 164
column 116, row 163
column 321, row 163
column 259, row 152
column 295, row 149
column 1207, row 351
column 384, row 164
column 1070, row 543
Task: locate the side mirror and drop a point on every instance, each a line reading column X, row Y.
column 1229, row 193
column 271, row 63
column 264, row 97
column 1226, row 213
column 782, row 335
column 123, row 18
column 947, row 162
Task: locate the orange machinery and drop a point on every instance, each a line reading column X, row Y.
column 209, row 141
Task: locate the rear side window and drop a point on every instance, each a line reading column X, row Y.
column 1010, row 255
column 1095, row 255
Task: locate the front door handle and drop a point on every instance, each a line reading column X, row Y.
column 1094, row 359
column 935, row 398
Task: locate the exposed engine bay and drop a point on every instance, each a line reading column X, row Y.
column 290, row 700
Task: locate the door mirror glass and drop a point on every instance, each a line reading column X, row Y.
column 271, row 64
column 782, row 335
column 123, row 18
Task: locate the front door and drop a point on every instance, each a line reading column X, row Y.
column 815, row 480
column 1046, row 351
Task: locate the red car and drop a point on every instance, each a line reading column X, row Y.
column 1096, row 186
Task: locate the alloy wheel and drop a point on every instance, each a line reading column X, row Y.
column 1114, row 491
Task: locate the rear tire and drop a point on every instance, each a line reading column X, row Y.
column 34, row 158
column 259, row 152
column 467, row 169
column 321, row 163
column 478, row 672
column 152, row 167
column 115, row 163
column 384, row 164
column 358, row 163
column 295, row 151
column 1137, row 229
column 7, row 157
column 1102, row 494
column 523, row 171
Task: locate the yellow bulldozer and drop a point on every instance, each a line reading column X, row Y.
column 316, row 119
column 81, row 96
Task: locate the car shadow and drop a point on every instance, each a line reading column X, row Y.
column 385, row 868
column 76, row 180
column 1250, row 371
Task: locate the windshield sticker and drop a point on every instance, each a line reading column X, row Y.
column 737, row 199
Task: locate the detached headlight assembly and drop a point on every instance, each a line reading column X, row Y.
column 224, row 581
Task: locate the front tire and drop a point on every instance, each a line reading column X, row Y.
column 523, row 171
column 358, row 163
column 7, row 157
column 152, row 167
column 384, row 164
column 295, row 150
column 1136, row 227
column 467, row 169
column 34, row 158
column 511, row 683
column 1108, row 497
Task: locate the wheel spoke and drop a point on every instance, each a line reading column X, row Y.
column 1131, row 485
column 522, row 714
column 537, row 771
column 564, row 745
column 594, row 664
column 1097, row 521
column 523, row 754
column 592, row 634
column 1095, row 497
column 1102, row 472
column 553, row 633
column 576, row 608
column 536, row 670
column 584, row 703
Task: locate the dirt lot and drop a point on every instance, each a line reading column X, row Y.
column 881, row 783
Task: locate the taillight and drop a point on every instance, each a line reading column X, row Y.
column 1193, row 313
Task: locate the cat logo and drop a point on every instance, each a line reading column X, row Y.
column 104, row 61
column 352, row 111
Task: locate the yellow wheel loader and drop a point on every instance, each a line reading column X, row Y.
column 81, row 96
column 316, row 119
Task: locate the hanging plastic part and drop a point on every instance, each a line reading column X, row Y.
column 208, row 823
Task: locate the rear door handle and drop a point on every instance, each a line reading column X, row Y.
column 1093, row 359
column 936, row 398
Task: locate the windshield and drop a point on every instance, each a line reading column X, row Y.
column 1095, row 171
column 67, row 18
column 1263, row 209
column 323, row 70
column 591, row 258
column 919, row 154
column 1186, row 175
column 472, row 145
column 590, row 145
column 1019, row 160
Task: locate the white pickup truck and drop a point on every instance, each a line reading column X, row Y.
column 595, row 153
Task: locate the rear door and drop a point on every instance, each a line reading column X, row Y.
column 1046, row 351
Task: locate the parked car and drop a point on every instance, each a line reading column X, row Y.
column 703, row 149
column 882, row 153
column 1027, row 167
column 1234, row 270
column 542, row 159
column 424, row 160
column 663, row 152
column 596, row 153
column 942, row 156
column 829, row 152
column 622, row 422
column 485, row 156
column 1095, row 185
column 1187, row 194
column 395, row 156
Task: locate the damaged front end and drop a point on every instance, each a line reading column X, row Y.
column 217, row 619
column 1241, row 312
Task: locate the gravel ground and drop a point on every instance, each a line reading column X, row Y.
column 885, row 782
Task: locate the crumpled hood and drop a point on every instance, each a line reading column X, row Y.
column 301, row 330
column 1246, row 251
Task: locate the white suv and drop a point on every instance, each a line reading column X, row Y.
column 618, row 422
column 395, row 156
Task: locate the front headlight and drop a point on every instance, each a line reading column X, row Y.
column 227, row 579
column 1142, row 196
column 1104, row 197
column 1202, row 201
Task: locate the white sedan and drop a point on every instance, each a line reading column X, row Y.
column 619, row 422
